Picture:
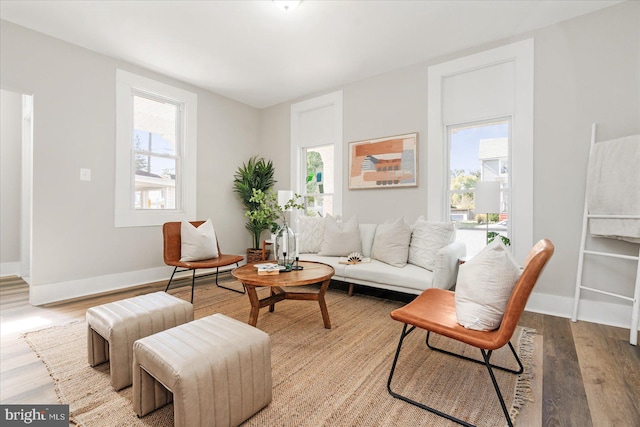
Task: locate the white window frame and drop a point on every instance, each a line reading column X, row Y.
column 521, row 156
column 505, row 192
column 298, row 163
column 128, row 85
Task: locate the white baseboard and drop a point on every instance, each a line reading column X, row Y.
column 605, row 313
column 10, row 269
column 61, row 291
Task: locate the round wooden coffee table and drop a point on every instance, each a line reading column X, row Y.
column 312, row 272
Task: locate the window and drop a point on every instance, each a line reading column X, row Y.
column 316, row 153
column 319, row 186
column 155, row 152
column 477, row 89
column 478, row 152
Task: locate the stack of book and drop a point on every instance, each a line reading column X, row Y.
column 269, row 268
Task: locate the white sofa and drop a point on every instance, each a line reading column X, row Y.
column 410, row 279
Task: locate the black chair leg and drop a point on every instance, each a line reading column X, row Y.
column 486, row 356
column 513, row 351
column 169, row 284
column 244, row 290
column 193, row 283
column 411, row 401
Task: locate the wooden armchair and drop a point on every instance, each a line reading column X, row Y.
column 172, row 249
column 434, row 311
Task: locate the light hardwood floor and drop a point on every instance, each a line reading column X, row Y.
column 591, row 374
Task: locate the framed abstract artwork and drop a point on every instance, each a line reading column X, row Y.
column 390, row 162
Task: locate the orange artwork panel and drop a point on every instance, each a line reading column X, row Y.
column 384, row 162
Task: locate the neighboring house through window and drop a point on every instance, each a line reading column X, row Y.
column 155, row 152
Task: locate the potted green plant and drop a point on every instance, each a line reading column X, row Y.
column 256, row 174
column 270, row 214
column 265, row 213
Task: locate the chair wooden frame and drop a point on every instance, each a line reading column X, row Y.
column 434, row 311
column 172, row 244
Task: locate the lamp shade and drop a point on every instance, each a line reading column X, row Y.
column 487, row 197
column 283, row 197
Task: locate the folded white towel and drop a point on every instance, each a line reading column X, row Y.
column 613, row 188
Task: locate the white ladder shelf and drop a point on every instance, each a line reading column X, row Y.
column 635, row 300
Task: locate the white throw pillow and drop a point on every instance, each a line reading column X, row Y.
column 427, row 239
column 340, row 239
column 310, row 234
column 197, row 243
column 367, row 234
column 391, row 244
column 484, row 287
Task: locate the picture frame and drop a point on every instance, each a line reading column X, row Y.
column 389, row 162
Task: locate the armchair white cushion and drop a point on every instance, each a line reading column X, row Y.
column 197, row 243
column 484, row 287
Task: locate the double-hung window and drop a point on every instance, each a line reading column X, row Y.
column 480, row 109
column 155, row 152
column 478, row 152
column 316, row 153
column 319, row 187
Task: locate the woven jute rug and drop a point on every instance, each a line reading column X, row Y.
column 321, row 377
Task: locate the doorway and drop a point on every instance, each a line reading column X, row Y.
column 16, row 143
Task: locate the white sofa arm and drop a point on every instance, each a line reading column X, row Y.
column 445, row 271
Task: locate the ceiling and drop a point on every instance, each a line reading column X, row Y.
column 255, row 53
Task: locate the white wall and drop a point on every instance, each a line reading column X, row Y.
column 586, row 70
column 275, row 132
column 76, row 249
column 10, row 170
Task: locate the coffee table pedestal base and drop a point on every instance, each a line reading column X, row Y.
column 278, row 294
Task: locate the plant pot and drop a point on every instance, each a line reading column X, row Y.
column 255, row 255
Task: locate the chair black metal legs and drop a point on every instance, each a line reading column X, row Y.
column 193, row 281
column 175, row 269
column 244, row 290
column 513, row 351
column 486, row 355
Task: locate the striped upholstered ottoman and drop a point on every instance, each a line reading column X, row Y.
column 112, row 329
column 218, row 369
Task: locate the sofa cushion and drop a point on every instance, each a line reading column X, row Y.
column 197, row 243
column 385, row 276
column 391, row 243
column 427, row 239
column 311, row 233
column 367, row 234
column 484, row 287
column 340, row 239
column 333, row 261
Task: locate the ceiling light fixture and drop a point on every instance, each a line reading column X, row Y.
column 287, row 5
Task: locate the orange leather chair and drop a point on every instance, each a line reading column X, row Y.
column 172, row 249
column 434, row 311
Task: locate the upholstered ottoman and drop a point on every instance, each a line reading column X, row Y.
column 218, row 369
column 112, row 329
